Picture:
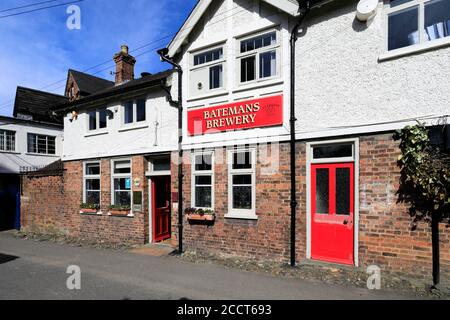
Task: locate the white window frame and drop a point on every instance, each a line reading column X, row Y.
column 5, row 135
column 195, row 173
column 419, row 47
column 134, row 122
column 249, row 214
column 46, row 145
column 121, row 175
column 275, row 47
column 97, row 119
column 151, row 170
column 90, row 177
column 208, row 65
column 309, row 161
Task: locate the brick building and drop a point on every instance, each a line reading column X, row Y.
column 355, row 84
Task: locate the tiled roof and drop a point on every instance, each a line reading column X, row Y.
column 89, row 84
column 37, row 104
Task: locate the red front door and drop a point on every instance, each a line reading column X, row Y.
column 332, row 212
column 161, row 208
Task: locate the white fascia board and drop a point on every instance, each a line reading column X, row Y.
column 187, row 27
column 285, row 5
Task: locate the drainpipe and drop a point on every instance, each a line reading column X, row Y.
column 303, row 12
column 163, row 53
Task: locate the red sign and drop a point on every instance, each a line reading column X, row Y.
column 257, row 113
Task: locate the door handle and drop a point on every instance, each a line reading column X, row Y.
column 345, row 222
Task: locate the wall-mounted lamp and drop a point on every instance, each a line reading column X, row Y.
column 109, row 114
column 74, row 116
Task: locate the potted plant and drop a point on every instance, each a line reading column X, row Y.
column 200, row 214
column 119, row 210
column 89, row 208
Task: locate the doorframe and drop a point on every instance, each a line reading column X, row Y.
column 150, row 177
column 309, row 162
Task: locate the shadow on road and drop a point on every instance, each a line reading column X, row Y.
column 4, row 258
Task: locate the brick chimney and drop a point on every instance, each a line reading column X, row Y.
column 124, row 65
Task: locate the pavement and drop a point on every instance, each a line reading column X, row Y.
column 32, row 269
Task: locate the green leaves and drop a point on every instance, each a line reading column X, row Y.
column 425, row 174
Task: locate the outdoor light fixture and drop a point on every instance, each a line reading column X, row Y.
column 110, row 114
column 74, row 116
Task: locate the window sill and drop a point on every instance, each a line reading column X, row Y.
column 42, row 155
column 258, row 84
column 234, row 215
column 418, row 48
column 129, row 215
column 211, row 94
column 133, row 127
column 9, row 152
column 96, row 133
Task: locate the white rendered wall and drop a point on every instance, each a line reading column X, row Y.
column 158, row 133
column 11, row 162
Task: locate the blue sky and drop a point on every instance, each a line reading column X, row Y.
column 37, row 48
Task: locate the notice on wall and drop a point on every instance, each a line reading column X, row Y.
column 256, row 113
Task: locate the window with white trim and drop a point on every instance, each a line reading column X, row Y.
column 134, row 111
column 91, row 183
column 203, row 180
column 41, row 144
column 242, row 184
column 415, row 22
column 121, row 182
column 7, row 140
column 258, row 57
column 207, row 71
column 97, row 119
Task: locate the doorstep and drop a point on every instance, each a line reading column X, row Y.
column 155, row 250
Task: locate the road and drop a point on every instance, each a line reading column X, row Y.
column 37, row 270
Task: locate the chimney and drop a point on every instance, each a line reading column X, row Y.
column 124, row 65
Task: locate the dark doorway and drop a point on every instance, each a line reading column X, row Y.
column 9, row 202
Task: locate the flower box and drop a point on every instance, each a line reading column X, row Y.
column 198, row 217
column 89, row 211
column 122, row 213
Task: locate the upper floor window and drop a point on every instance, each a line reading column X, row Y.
column 41, row 144
column 413, row 22
column 258, row 57
column 97, row 119
column 134, row 111
column 7, row 140
column 207, row 71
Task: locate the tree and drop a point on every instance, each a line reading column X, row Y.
column 424, row 183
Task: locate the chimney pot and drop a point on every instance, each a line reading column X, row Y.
column 124, row 49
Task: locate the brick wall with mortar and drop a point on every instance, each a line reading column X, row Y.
column 51, row 204
column 385, row 235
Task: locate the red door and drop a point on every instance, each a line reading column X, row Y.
column 332, row 212
column 161, row 208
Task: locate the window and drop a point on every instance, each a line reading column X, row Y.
column 121, row 181
column 134, row 111
column 241, row 180
column 97, row 119
column 258, row 57
column 413, row 22
column 91, row 178
column 40, row 144
column 203, row 180
column 207, row 70
column 7, row 140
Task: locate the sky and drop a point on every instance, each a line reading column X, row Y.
column 37, row 48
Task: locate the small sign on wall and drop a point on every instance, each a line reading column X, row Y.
column 137, row 201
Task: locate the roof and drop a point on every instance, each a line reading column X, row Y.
column 4, row 120
column 126, row 87
column 89, row 84
column 291, row 7
column 37, row 104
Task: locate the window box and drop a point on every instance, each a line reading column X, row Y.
column 121, row 211
column 193, row 214
column 87, row 208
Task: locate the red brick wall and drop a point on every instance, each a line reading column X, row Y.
column 52, row 204
column 385, row 236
